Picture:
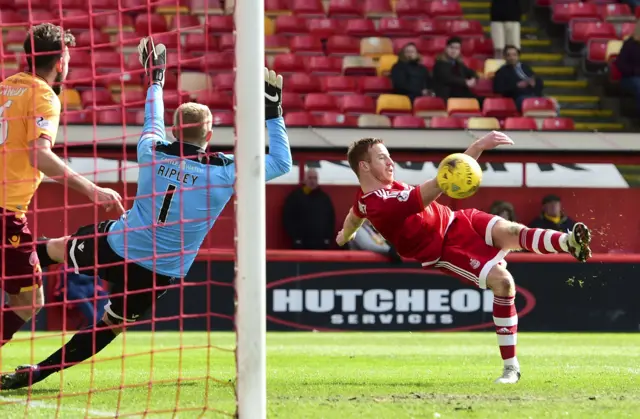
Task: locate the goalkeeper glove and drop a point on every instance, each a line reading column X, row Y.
column 154, row 60
column 272, row 94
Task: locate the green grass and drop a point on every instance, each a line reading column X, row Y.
column 341, row 375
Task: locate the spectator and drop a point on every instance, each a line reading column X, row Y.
column 409, row 76
column 451, row 78
column 628, row 63
column 552, row 217
column 308, row 215
column 504, row 209
column 505, row 24
column 369, row 239
column 515, row 79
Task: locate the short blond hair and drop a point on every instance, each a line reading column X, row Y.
column 192, row 121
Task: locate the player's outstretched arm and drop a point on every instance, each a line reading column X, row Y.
column 490, row 141
column 349, row 229
column 278, row 162
column 153, row 59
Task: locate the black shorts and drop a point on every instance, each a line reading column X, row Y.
column 133, row 288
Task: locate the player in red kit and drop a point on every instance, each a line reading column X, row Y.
column 468, row 244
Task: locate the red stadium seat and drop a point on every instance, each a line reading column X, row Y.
column 342, row 45
column 520, row 124
column 477, row 47
column 302, row 83
column 14, row 40
column 223, row 118
column 444, row 9
column 306, row 45
column 429, row 106
column 227, row 42
column 320, row 102
column 83, row 77
column 31, row 4
column 427, row 27
column 428, row 61
column 581, row 31
column 377, row 8
column 132, row 99
column 215, row 100
column 597, row 51
column 218, row 61
column 360, row 28
column 564, row 12
column 110, row 23
column 339, row 85
column 308, row 8
column 93, row 98
column 289, row 63
column 434, row 46
column 276, row 44
column 185, row 23
column 411, row 9
column 108, row 60
column 277, row 7
column 299, row 119
column 358, row 104
column 325, row 27
column 104, row 4
column 199, row 43
column 375, row 85
column 499, row 107
column 394, row 27
column 345, row 9
column 558, row 124
column 78, row 118
column 292, row 102
column 10, row 18
column 616, row 12
column 421, row 44
column 627, row 28
column 474, row 64
column 291, row 25
column 447, row 122
column 325, row 65
column 358, row 66
column 466, row 28
column 146, row 25
column 333, row 119
column 109, row 117
column 538, row 106
column 220, row 24
column 223, row 82
column 408, row 121
column 171, row 39
column 484, row 88
column 92, row 39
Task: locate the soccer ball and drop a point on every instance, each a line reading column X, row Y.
column 459, row 176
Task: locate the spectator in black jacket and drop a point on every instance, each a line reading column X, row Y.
column 516, row 79
column 408, row 76
column 308, row 215
column 451, row 78
column 628, row 62
column 505, row 24
column 552, row 217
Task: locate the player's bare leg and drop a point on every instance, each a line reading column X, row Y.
column 505, row 318
column 508, row 235
column 19, row 310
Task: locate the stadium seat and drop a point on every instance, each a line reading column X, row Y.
column 191, row 23
column 109, row 117
column 428, row 61
column 70, row 99
column 220, row 24
column 80, row 20
column 581, row 31
column 223, row 118
column 627, row 28
column 269, row 26
column 466, row 28
column 308, row 8
column 434, row 46
column 408, row 121
column 146, row 25
column 484, row 88
column 13, row 40
column 334, row 119
column 292, row 102
column 444, row 9
column 276, row 8
column 290, row 25
column 276, row 44
column 342, row 45
column 474, row 64
column 596, row 58
column 81, row 77
column 320, row 102
column 446, row 122
column 411, row 9
column 386, row 63
column 289, row 63
column 358, row 66
column 613, row 49
column 477, row 47
column 191, row 82
column 484, row 123
column 558, row 124
column 375, row 85
column 499, row 107
column 218, row 61
column 377, row 8
column 108, row 60
column 374, row 121
column 303, row 83
column 345, row 9
column 520, row 124
column 427, row 27
column 217, row 101
column 429, row 106
column 538, row 107
column 375, row 47
column 491, row 66
column 357, row 104
column 93, row 98
column 394, row 27
column 562, row 13
column 306, row 45
column 463, row 107
column 361, row 28
column 91, row 39
column 78, row 118
column 223, row 82
column 11, row 20
column 322, row 66
column 170, row 39
column 133, row 99
column 207, row 7
column 616, row 12
column 339, row 85
column 392, row 104
column 299, row 119
column 324, row 27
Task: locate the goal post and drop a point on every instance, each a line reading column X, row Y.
column 250, row 211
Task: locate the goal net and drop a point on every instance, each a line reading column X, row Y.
column 200, row 351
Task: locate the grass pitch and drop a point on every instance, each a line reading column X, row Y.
column 339, row 375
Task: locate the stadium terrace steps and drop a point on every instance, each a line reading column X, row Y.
column 599, row 126
column 586, row 113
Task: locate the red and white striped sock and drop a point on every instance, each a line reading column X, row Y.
column 543, row 241
column 505, row 317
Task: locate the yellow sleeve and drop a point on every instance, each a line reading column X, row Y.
column 46, row 117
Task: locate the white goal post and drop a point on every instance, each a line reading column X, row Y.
column 251, row 387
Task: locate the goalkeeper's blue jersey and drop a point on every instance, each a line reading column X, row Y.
column 181, row 193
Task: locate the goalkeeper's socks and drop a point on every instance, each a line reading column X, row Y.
column 79, row 348
column 11, row 323
column 43, row 255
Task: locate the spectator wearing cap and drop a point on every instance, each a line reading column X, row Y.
column 628, row 63
column 451, row 78
column 505, row 24
column 503, row 209
column 552, row 216
column 409, row 76
column 515, row 79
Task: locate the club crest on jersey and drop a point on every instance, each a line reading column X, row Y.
column 362, row 208
column 475, row 264
column 403, row 196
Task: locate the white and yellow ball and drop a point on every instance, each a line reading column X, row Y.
column 459, row 176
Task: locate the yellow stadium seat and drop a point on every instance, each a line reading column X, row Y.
column 371, row 121
column 375, row 47
column 269, row 26
column 204, row 9
column 172, row 10
column 70, row 99
column 613, row 48
column 462, row 106
column 393, row 104
column 491, row 66
column 358, row 65
column 385, row 63
column 193, row 82
column 483, row 123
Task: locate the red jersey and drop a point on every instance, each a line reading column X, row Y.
column 399, row 214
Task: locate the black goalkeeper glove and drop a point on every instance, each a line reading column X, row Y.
column 272, row 94
column 154, row 60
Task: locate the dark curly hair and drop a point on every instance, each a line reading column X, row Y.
column 45, row 44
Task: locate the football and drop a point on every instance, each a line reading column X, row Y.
column 459, row 176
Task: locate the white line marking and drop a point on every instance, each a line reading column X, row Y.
column 54, row 406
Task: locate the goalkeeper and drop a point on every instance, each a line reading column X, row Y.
column 182, row 189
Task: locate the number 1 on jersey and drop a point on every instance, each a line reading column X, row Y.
column 4, row 124
column 166, row 204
